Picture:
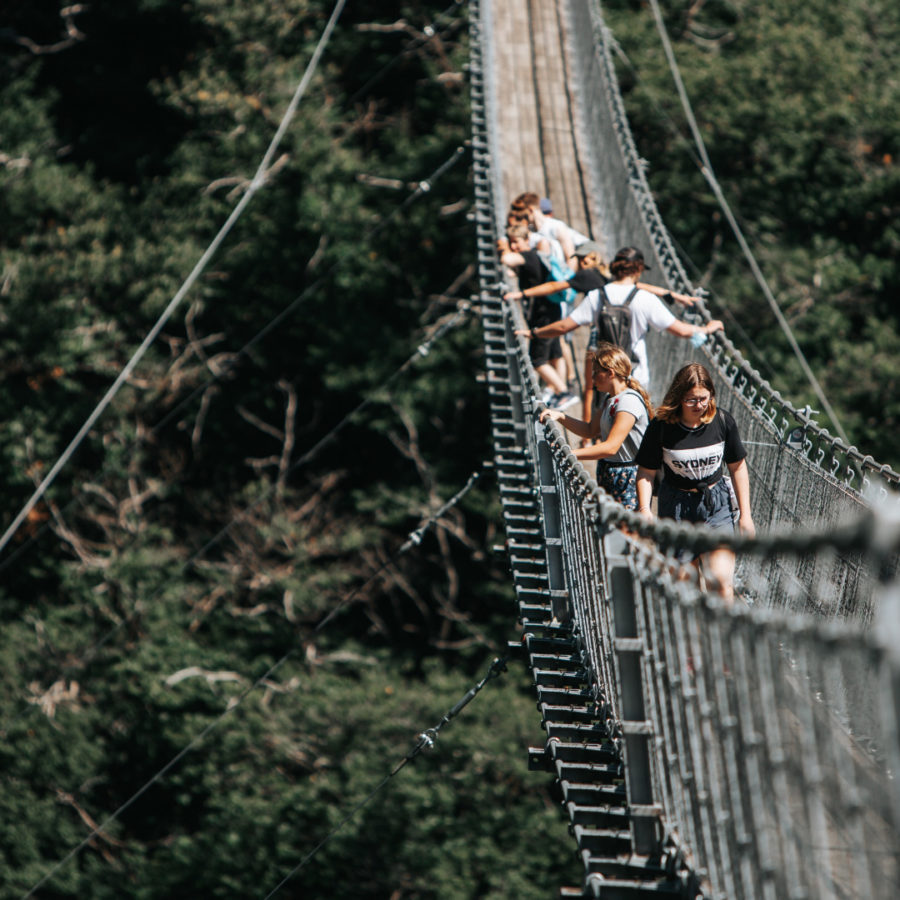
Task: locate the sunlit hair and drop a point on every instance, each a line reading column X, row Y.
column 594, row 261
column 517, row 217
column 690, row 376
column 625, row 268
column 518, row 233
column 526, row 200
column 609, row 356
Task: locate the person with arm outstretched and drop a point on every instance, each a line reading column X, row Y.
column 617, row 426
column 647, row 310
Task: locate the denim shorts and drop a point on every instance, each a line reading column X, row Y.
column 714, row 507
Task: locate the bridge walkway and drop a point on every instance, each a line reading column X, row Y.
column 538, row 120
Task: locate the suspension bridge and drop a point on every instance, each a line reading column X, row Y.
column 700, row 750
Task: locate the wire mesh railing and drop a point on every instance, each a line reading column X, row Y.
column 761, row 742
column 802, row 477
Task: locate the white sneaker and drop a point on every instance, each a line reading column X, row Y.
column 565, row 400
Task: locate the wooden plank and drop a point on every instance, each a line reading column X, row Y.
column 536, row 116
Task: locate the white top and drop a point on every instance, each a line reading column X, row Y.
column 550, row 232
column 629, row 401
column 576, row 236
column 647, row 311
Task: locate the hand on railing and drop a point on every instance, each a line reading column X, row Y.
column 556, row 414
column 646, row 513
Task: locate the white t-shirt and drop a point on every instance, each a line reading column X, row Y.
column 576, row 236
column 647, row 311
column 629, row 401
column 551, row 231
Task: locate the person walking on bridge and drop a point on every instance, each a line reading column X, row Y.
column 546, row 354
column 647, row 310
column 619, row 423
column 694, row 442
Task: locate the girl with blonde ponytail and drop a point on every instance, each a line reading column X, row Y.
column 619, row 423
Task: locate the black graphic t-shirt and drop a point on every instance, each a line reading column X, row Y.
column 691, row 457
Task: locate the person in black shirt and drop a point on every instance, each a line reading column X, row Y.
column 546, row 353
column 694, row 443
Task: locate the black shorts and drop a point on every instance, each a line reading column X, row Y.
column 542, row 350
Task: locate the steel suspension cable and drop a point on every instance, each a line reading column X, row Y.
column 425, row 741
column 259, row 180
column 414, row 539
column 707, row 171
column 423, row 187
column 427, row 738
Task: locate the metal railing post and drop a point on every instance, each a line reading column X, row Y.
column 551, row 517
column 637, row 729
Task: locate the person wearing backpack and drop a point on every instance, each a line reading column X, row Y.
column 619, row 423
column 645, row 310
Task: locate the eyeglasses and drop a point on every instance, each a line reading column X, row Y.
column 696, row 401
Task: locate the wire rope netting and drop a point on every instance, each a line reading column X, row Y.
column 771, row 728
column 801, row 476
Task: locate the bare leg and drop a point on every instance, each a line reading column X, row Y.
column 719, row 567
column 588, row 396
column 569, row 359
column 551, row 378
column 560, row 365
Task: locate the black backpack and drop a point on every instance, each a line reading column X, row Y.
column 613, row 323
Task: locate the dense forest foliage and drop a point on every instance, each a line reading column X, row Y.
column 165, row 652
column 168, row 653
column 797, row 105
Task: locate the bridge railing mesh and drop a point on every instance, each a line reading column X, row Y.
column 772, row 738
column 771, row 730
column 802, row 477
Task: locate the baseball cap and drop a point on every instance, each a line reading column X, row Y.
column 545, row 205
column 588, row 247
column 631, row 254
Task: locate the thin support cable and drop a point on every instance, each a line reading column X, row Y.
column 98, row 829
column 422, row 350
column 421, row 188
column 707, row 170
column 425, row 741
column 429, row 32
column 414, row 539
column 259, row 179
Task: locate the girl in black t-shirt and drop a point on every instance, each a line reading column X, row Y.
column 694, row 443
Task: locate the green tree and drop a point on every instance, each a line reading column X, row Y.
column 185, row 552
column 793, row 104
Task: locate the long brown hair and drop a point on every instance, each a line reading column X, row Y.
column 690, row 376
column 609, row 356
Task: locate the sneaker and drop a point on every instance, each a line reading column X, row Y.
column 564, row 400
column 547, row 396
